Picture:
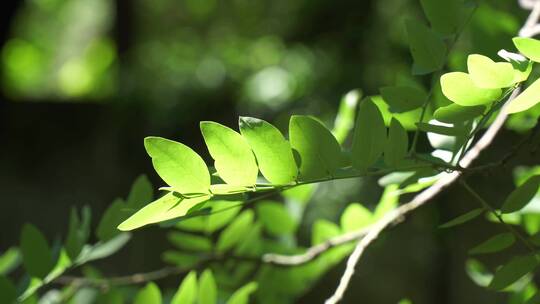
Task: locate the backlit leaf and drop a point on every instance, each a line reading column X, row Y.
column 273, row 152
column 397, row 144
column 529, row 47
column 275, row 218
column 369, row 136
column 235, row 232
column 522, row 195
column 207, row 288
column 494, row 244
column 188, row 241
column 402, row 98
column 187, row 292
column 526, row 100
column 178, row 165
column 513, row 271
column 318, row 150
column 355, row 217
column 487, row 74
column 455, row 113
column 427, row 49
column 36, row 254
column 241, row 296
column 463, row 218
column 459, row 88
column 9, row 260
column 150, row 294
column 440, row 129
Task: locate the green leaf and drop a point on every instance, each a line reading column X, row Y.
column 535, row 299
column 522, row 195
column 444, row 16
column 178, row 165
column 323, row 230
column 165, row 208
column 273, row 152
column 36, row 254
column 459, row 88
column 226, row 189
column 369, row 136
column 8, row 292
column 487, row 74
column 478, row 272
column 187, row 292
column 275, row 218
column 463, row 218
column 113, row 216
column 141, row 193
column 234, row 160
column 494, row 244
column 207, row 288
column 526, row 100
column 220, row 213
column 427, row 49
column 513, row 271
column 9, row 260
column 522, row 70
column 402, row 98
column 529, row 47
column 235, row 232
column 455, row 113
column 355, row 217
column 317, row 148
column 190, row 241
column 344, row 122
column 103, row 249
column 241, row 296
column 78, row 233
column 150, row 294
column 397, row 144
column 438, row 129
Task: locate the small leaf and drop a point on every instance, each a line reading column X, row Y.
column 403, row 99
column 444, row 16
column 113, row 216
column 274, row 154
column 344, row 122
column 522, row 195
column 439, row 129
column 36, row 254
column 235, row 232
column 427, row 49
column 529, row 47
column 369, row 136
column 234, row 159
column 522, row 70
column 275, row 218
column 141, row 193
column 397, row 144
column 355, row 217
column 487, row 74
column 207, row 288
column 241, row 296
column 165, row 208
column 323, row 230
column 8, row 292
column 513, row 271
column 187, row 292
column 526, row 100
column 178, row 165
column 150, row 294
column 459, row 88
column 102, row 250
column 455, row 113
column 9, row 260
column 494, row 244
column 78, row 233
column 535, row 299
column 191, row 242
column 317, row 148
column 463, row 218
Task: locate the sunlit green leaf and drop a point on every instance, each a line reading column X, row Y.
column 463, row 218
column 36, row 254
column 369, row 136
column 234, row 159
column 9, row 260
column 318, row 150
column 478, row 272
column 165, row 208
column 235, row 232
column 522, row 195
column 397, row 144
column 207, row 288
column 346, row 114
column 241, row 296
column 187, row 292
column 522, row 70
column 459, row 88
column 513, row 271
column 355, row 217
column 487, row 74
column 444, row 16
column 526, row 100
column 494, row 244
column 150, row 294
column 529, row 47
column 189, row 241
column 323, row 230
column 178, row 165
column 455, row 113
column 275, row 218
column 402, row 98
column 427, row 49
column 273, row 152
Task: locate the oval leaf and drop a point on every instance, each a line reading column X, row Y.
column 526, row 100
column 494, row 244
column 455, row 113
column 150, row 294
column 444, row 16
column 513, row 271
column 459, row 88
column 463, row 218
column 273, row 152
column 235, row 232
column 355, row 217
column 234, row 160
column 369, row 136
column 241, row 296
column 275, row 218
column 178, row 165
column 522, row 195
column 487, row 74
column 207, row 288
column 403, row 99
column 396, row 145
column 36, row 254
column 187, row 292
column 318, row 150
column 529, row 47
column 427, row 49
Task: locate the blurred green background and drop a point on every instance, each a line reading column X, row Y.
column 84, row 81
